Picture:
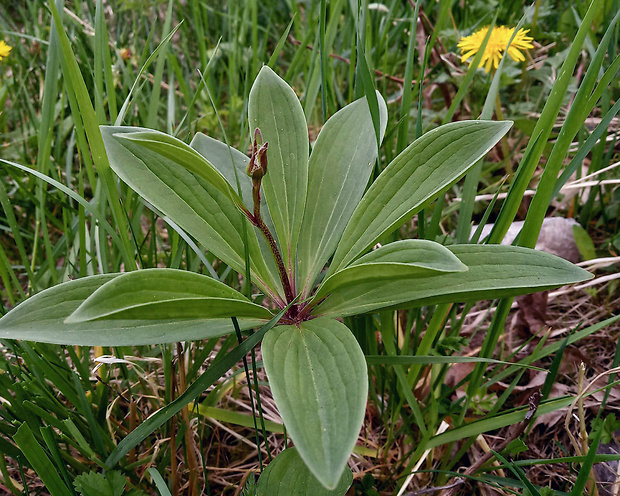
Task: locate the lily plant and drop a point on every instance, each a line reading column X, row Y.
column 306, row 229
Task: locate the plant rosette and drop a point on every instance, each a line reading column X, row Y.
column 298, row 212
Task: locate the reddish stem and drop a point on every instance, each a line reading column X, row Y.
column 256, row 169
column 257, row 220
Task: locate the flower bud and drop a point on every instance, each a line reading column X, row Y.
column 257, row 167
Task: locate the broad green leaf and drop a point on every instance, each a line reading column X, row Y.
column 403, row 260
column 226, row 159
column 180, row 153
column 318, row 377
column 222, row 157
column 494, row 271
column 417, row 252
column 198, row 207
column 162, row 294
column 288, row 475
column 413, row 179
column 340, row 165
column 275, row 109
column 42, row 318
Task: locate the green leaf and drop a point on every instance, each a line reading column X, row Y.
column 42, row 318
column 415, row 252
column 96, row 147
column 162, row 294
column 222, row 158
column 413, row 179
column 40, row 462
column 232, row 164
column 584, row 242
column 486, row 424
column 318, row 377
column 494, row 271
column 180, row 153
column 340, row 165
column 95, row 484
column 516, row 446
column 288, row 475
column 198, row 207
column 403, row 260
column 432, row 359
column 159, row 482
column 275, row 109
column 518, row 471
column 236, row 418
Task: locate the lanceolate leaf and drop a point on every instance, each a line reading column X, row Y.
column 223, row 157
column 42, row 318
column 340, row 165
column 409, row 259
column 159, row 294
column 417, row 252
column 275, row 109
column 494, row 271
column 318, row 377
column 287, row 475
column 413, row 179
column 198, row 207
column 182, row 154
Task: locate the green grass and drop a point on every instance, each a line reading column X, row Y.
column 184, row 68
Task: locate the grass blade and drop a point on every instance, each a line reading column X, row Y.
column 160, row 484
column 42, row 465
column 544, row 126
column 72, row 72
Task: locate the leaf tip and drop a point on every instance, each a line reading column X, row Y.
column 584, row 274
column 508, row 123
column 266, row 71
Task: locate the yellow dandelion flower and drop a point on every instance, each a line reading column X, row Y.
column 500, row 36
column 4, row 49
